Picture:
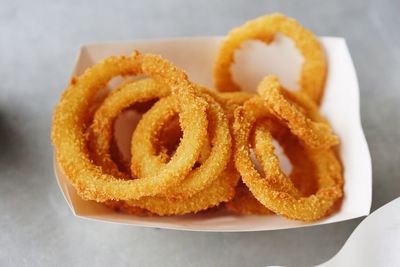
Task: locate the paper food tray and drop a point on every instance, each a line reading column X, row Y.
column 196, row 56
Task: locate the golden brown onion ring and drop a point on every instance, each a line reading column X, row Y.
column 314, row 69
column 101, row 129
column 303, row 169
column 70, row 125
column 273, row 190
column 302, row 174
column 310, row 127
column 145, row 161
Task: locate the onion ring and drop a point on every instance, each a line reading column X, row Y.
column 168, row 140
column 145, row 161
column 101, row 130
column 311, row 127
column 69, row 127
column 302, row 174
column 303, row 170
column 273, row 191
column 314, row 69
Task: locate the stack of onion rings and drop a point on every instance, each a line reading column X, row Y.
column 191, row 148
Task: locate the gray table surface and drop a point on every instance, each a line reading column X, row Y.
column 39, row 41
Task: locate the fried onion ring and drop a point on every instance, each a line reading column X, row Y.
column 145, row 161
column 101, row 129
column 273, row 191
column 311, row 127
column 314, row 69
column 302, row 174
column 70, row 124
column 303, row 170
